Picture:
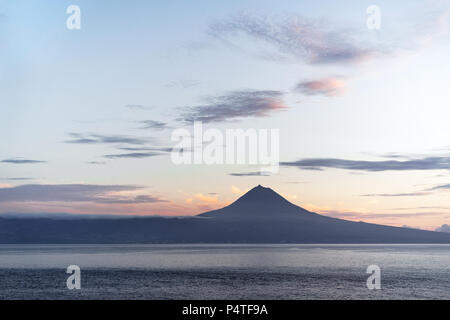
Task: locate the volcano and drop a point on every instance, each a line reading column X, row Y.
column 259, row 203
column 259, row 216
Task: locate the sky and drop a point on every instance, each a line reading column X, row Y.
column 87, row 115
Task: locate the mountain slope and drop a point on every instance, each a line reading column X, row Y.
column 259, row 203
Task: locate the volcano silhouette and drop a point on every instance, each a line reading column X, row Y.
column 259, row 216
column 259, row 203
column 262, row 215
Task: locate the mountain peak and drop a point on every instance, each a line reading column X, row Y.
column 259, row 202
column 261, row 194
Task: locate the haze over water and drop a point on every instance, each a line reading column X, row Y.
column 225, row 271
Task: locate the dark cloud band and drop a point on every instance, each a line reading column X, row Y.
column 429, row 163
column 72, row 193
column 78, row 138
column 22, row 161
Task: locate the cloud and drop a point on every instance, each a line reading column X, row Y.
column 137, row 107
column 423, row 207
column 428, row 163
column 441, row 187
column 137, row 199
column 443, row 228
column 73, row 193
column 153, row 124
column 160, row 149
column 437, row 25
column 363, row 215
column 236, row 190
column 411, row 194
column 18, row 179
column 22, row 161
column 250, row 174
column 235, row 105
column 143, row 152
column 327, row 87
column 205, row 198
column 184, row 84
column 134, row 155
column 90, row 138
column 96, row 162
column 294, row 37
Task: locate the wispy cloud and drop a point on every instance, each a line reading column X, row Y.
column 133, row 155
column 137, row 107
column 96, row 162
column 423, row 207
column 295, row 37
column 153, row 124
column 235, row 105
column 410, row 194
column 22, row 161
column 363, row 215
column 435, row 26
column 73, row 193
column 237, row 190
column 142, row 152
column 132, row 200
column 159, row 149
column 250, row 174
column 91, row 138
column 327, row 87
column 441, row 187
column 428, row 163
column 184, row 84
column 207, row 199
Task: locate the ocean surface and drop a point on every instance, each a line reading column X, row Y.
column 225, row 271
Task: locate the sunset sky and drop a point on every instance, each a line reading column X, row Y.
column 86, row 116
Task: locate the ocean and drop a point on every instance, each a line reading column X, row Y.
column 225, row 271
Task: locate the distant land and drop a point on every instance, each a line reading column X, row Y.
column 259, row 216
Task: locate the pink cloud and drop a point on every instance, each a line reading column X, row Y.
column 327, row 86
